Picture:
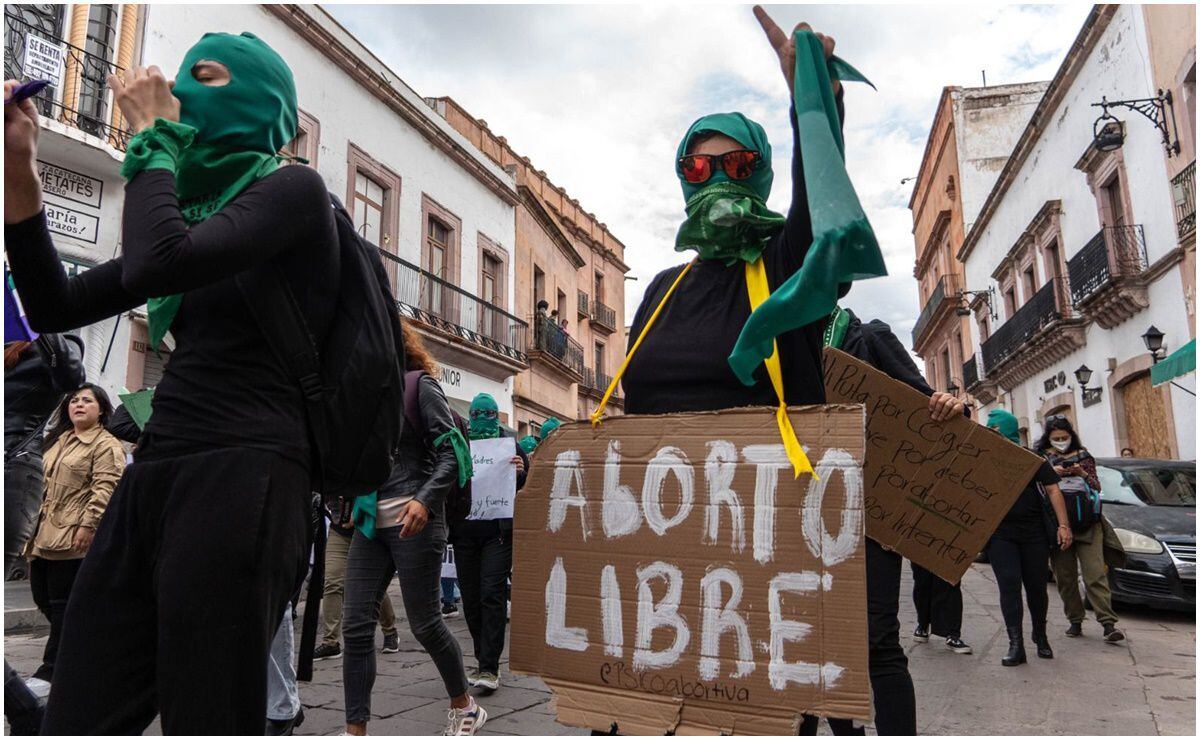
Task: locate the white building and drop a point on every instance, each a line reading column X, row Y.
column 441, row 211
column 1083, row 252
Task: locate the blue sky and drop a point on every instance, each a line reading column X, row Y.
column 597, row 96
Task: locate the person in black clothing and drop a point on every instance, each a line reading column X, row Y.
column 166, row 616
column 1020, row 548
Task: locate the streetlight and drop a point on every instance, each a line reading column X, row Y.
column 1108, row 132
column 1154, row 342
column 1091, row 396
column 1083, row 375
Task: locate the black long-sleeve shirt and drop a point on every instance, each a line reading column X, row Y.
column 682, row 364
column 222, row 386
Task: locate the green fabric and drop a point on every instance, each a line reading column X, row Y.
column 1180, row 362
column 744, row 131
column 139, row 406
column 462, row 453
column 528, row 443
column 835, row 328
column 236, row 132
column 363, row 514
column 844, row 248
column 485, row 427
column 1005, row 423
column 727, row 221
column 547, row 427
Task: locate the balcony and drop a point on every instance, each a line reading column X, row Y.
column 970, row 373
column 1106, row 275
column 945, row 296
column 454, row 312
column 595, row 383
column 552, row 346
column 584, row 308
column 981, row 388
column 603, row 317
column 83, row 100
column 1039, row 334
column 1183, row 187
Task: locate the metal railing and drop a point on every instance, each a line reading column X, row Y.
column 1115, row 251
column 427, row 298
column 584, row 309
column 589, row 379
column 604, row 316
column 948, row 289
column 603, row 380
column 1183, row 188
column 549, row 338
column 970, row 373
column 83, row 99
column 1037, row 314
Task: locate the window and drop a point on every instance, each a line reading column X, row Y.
column 373, row 198
column 489, row 271
column 539, row 286
column 946, row 376
column 437, row 247
column 307, row 139
column 599, row 291
column 984, row 330
column 1030, row 283
column 599, row 358
column 1050, row 260
column 100, row 45
column 441, row 236
column 368, row 208
column 560, row 303
column 1010, row 302
column 1115, row 201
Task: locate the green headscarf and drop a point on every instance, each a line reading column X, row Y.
column 487, row 424
column 227, row 137
column 728, row 220
column 1005, row 423
column 548, row 426
column 528, row 443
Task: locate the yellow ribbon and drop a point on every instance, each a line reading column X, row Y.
column 759, row 289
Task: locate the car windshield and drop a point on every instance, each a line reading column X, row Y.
column 1165, row 486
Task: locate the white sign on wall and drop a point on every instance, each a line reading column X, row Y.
column 71, row 185
column 73, row 223
column 43, row 60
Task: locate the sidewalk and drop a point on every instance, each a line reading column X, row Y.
column 1143, row 686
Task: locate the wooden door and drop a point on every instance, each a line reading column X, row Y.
column 1145, row 419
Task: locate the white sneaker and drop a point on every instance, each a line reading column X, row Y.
column 473, row 677
column 465, row 721
column 489, row 681
column 39, row 687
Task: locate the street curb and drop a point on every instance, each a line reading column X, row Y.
column 19, row 621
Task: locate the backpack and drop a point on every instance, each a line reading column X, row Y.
column 1083, row 503
column 353, row 383
column 458, row 499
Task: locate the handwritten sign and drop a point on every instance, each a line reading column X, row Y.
column 935, row 491
column 494, row 485
column 671, row 575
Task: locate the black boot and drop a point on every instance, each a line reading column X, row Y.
column 1042, row 641
column 1016, row 648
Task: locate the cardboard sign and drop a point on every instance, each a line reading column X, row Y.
column 494, row 484
column 935, row 491
column 671, row 575
column 43, row 60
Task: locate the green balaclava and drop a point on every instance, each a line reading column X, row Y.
column 728, row 220
column 528, row 444
column 485, row 417
column 1005, row 423
column 227, row 137
column 547, row 427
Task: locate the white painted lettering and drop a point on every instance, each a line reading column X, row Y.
column 663, row 615
column 558, row 634
column 719, row 469
column 567, row 491
column 717, row 619
column 668, row 460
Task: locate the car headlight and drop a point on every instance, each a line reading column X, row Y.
column 1138, row 543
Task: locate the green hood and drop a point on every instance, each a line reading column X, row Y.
column 485, row 417
column 1005, row 423
column 744, row 131
column 547, row 427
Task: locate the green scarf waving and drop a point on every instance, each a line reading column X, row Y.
column 227, row 137
column 485, row 417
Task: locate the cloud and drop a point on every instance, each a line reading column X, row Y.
column 598, row 96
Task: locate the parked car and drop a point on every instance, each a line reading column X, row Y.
column 1152, row 506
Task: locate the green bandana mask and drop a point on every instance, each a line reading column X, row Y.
column 1005, row 423
column 485, row 418
column 227, row 137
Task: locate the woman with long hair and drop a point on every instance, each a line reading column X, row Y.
column 83, row 463
column 402, row 530
column 1061, row 447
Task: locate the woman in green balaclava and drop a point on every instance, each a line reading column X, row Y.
column 205, row 538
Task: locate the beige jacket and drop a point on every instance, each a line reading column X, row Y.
column 81, row 472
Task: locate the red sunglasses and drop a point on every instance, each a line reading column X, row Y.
column 738, row 165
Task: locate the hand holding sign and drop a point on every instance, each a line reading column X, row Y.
column 494, row 484
column 22, row 188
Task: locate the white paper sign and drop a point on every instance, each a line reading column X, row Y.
column 494, row 485
column 43, row 60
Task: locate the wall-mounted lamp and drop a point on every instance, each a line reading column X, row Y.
column 1108, row 132
column 1091, row 396
column 1154, row 343
column 989, row 297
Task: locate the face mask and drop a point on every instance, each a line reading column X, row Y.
column 1061, row 446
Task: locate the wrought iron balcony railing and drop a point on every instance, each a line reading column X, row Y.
column 589, row 379
column 83, row 99
column 603, row 380
column 550, row 339
column 1115, row 251
column 970, row 373
column 1041, row 310
column 427, row 298
column 584, row 308
column 603, row 316
column 1183, row 188
column 945, row 293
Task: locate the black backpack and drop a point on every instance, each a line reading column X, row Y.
column 458, row 499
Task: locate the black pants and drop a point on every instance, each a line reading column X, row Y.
column 179, row 598
column 51, row 582
column 939, row 605
column 483, row 565
column 1021, row 558
column 891, row 683
column 22, row 499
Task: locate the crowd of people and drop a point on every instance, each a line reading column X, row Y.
column 151, row 614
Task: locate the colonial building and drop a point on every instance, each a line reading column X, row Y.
column 441, row 212
column 973, row 131
column 1084, row 242
column 566, row 257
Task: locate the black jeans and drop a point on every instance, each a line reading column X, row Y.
column 1021, row 558
column 179, row 598
column 939, row 605
column 483, row 565
column 891, row 684
column 369, row 568
column 51, row 582
column 22, row 499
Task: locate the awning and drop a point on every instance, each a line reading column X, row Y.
column 1180, row 362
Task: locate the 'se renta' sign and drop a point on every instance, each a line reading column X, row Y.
column 671, row 575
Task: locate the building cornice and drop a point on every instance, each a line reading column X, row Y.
column 941, row 110
column 363, row 68
column 1089, row 35
column 549, row 223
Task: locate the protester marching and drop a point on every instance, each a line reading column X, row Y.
column 710, row 540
